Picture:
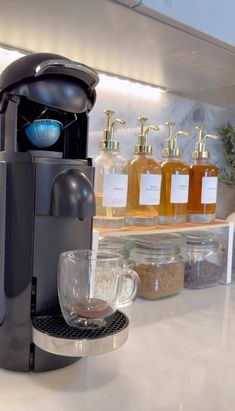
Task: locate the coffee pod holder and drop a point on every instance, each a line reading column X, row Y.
column 52, row 334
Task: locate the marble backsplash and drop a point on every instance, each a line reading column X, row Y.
column 130, row 104
column 163, row 107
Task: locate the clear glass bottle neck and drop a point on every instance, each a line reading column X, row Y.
column 201, row 161
column 173, row 158
column 147, row 155
column 108, row 151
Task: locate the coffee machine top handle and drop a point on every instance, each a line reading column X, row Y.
column 84, row 72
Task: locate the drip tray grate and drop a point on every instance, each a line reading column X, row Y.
column 53, row 334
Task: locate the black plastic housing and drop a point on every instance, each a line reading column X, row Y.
column 41, row 213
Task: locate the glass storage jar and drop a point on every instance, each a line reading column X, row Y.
column 118, row 245
column 122, row 247
column 203, row 260
column 158, row 261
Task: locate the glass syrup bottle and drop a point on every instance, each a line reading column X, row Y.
column 144, row 182
column 175, row 181
column 202, row 182
column 110, row 179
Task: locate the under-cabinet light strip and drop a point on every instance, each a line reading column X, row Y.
column 107, row 81
column 129, row 87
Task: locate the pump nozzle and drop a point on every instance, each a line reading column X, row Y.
column 171, row 149
column 108, row 141
column 112, row 127
column 108, row 114
column 143, row 146
column 200, row 146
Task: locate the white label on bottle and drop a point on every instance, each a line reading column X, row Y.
column 179, row 188
column 115, row 190
column 150, row 186
column 209, row 190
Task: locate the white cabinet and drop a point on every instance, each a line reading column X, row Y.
column 128, row 39
column 212, row 17
column 130, row 3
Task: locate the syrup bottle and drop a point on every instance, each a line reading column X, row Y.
column 110, row 179
column 175, row 181
column 144, row 182
column 202, row 182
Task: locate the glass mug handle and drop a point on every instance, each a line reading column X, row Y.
column 131, row 275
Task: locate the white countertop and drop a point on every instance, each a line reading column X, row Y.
column 180, row 356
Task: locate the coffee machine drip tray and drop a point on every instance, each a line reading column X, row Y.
column 52, row 334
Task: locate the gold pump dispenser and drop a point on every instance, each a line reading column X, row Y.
column 144, row 181
column 200, row 146
column 110, row 178
column 143, row 146
column 108, row 142
column 202, row 182
column 175, row 180
column 171, row 149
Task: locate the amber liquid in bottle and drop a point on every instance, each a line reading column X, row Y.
column 197, row 211
column 137, row 214
column 171, row 213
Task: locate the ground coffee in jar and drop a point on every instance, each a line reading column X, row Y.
column 157, row 260
column 203, row 258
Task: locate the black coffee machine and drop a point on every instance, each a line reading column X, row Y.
column 46, row 207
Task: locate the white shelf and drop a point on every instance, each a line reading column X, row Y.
column 186, row 227
column 136, row 231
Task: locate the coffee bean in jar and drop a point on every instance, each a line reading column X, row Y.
column 203, row 258
column 158, row 261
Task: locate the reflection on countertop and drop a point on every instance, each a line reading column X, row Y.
column 180, row 356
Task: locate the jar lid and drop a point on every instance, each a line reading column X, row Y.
column 204, row 239
column 116, row 244
column 160, row 242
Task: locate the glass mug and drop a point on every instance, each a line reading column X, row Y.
column 90, row 285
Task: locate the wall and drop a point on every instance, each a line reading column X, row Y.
column 131, row 100
column 159, row 108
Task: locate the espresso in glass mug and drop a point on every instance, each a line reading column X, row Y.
column 90, row 286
